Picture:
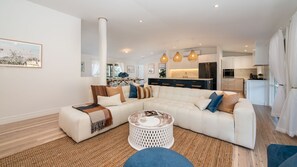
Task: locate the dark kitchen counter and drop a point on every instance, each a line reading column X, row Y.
column 198, row 83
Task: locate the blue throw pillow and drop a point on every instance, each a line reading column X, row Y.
column 133, row 91
column 215, row 102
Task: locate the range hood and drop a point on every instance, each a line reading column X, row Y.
column 261, row 54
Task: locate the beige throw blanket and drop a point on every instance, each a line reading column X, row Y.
column 100, row 116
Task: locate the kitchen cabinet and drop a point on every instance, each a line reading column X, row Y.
column 187, row 83
column 257, row 91
column 238, row 62
column 233, row 84
column 228, row 63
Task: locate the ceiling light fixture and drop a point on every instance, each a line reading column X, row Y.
column 193, row 56
column 164, row 58
column 126, row 50
column 216, row 5
column 140, row 21
column 177, row 57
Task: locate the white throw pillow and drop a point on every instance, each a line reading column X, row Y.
column 106, row 101
column 202, row 103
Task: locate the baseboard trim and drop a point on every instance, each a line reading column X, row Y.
column 21, row 117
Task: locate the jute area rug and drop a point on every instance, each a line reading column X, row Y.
column 112, row 149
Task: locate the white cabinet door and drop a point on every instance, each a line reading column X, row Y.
column 242, row 62
column 228, row 63
column 257, row 91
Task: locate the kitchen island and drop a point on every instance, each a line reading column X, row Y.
column 197, row 83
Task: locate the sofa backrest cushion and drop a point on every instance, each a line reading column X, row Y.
column 98, row 90
column 115, row 90
column 183, row 94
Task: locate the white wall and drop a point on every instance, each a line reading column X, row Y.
column 27, row 92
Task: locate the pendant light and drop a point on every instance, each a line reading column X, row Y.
column 164, row 59
column 177, row 57
column 192, row 56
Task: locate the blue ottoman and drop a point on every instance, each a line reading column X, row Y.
column 157, row 157
column 281, row 155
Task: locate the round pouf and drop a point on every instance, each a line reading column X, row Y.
column 157, row 157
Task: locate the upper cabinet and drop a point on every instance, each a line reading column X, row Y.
column 261, row 54
column 237, row 62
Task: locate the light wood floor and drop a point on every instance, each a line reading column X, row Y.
column 16, row 137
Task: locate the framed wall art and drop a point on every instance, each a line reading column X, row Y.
column 130, row 69
column 151, row 68
column 20, row 54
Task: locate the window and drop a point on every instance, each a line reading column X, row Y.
column 113, row 70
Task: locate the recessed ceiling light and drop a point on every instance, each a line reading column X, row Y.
column 216, row 5
column 140, row 21
column 246, row 46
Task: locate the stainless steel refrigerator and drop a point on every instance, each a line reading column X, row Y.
column 209, row 70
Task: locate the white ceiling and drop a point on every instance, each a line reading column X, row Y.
column 176, row 24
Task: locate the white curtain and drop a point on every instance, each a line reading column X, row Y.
column 288, row 118
column 277, row 68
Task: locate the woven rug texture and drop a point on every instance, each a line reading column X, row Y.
column 111, row 149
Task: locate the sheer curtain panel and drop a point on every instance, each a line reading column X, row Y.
column 277, row 68
column 288, row 118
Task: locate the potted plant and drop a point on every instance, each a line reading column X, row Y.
column 162, row 73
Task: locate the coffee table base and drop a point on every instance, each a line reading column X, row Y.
column 138, row 148
column 140, row 138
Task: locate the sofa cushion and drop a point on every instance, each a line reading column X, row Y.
column 183, row 94
column 215, row 102
column 133, row 91
column 115, row 90
column 144, row 92
column 106, row 101
column 187, row 115
column 228, row 102
column 202, row 103
column 98, row 90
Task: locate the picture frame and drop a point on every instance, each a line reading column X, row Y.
column 130, row 69
column 151, row 68
column 15, row 53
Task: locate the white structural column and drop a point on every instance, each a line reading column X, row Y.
column 102, row 49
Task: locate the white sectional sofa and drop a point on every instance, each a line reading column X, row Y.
column 238, row 128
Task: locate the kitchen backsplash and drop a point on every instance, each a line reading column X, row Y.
column 244, row 73
column 183, row 73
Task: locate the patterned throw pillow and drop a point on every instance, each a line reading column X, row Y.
column 116, row 90
column 228, row 102
column 145, row 92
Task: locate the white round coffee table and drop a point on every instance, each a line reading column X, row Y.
column 148, row 130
